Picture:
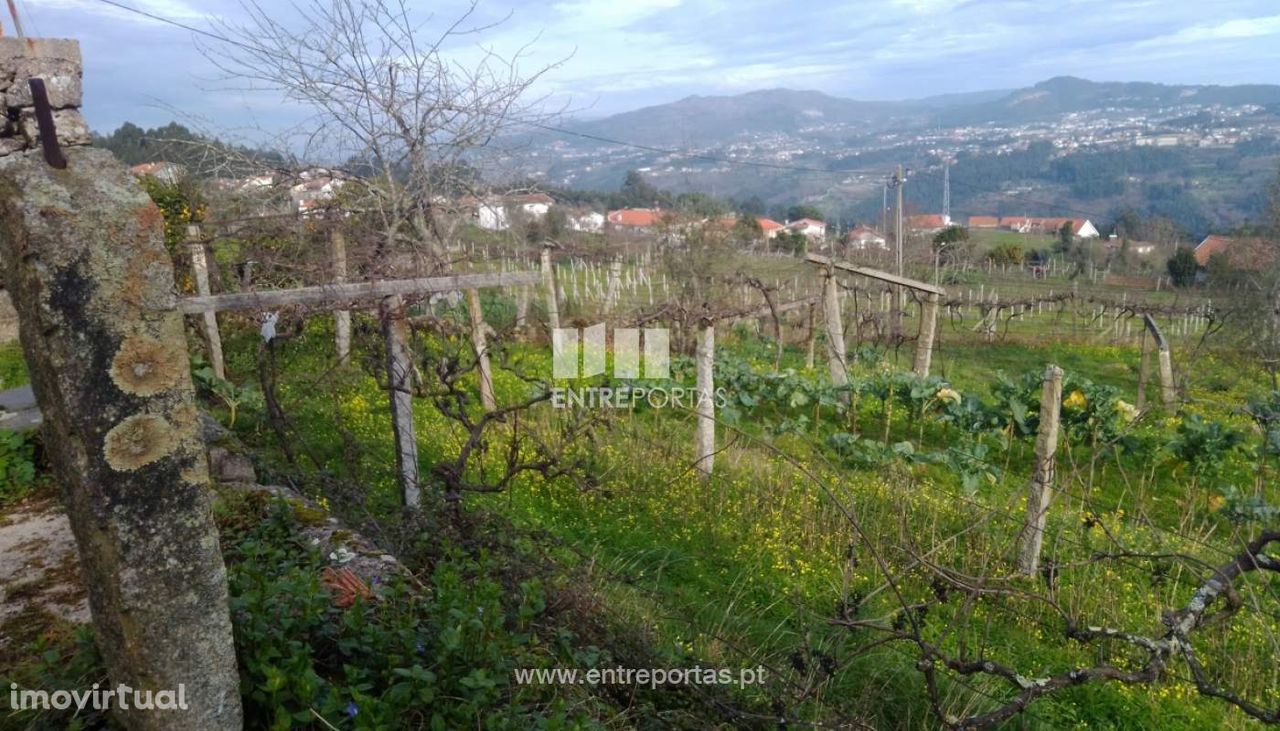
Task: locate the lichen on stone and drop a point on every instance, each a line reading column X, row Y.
column 137, row 441
column 145, row 366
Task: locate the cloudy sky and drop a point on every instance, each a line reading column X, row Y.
column 623, row 54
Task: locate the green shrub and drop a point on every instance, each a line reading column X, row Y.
column 17, row 464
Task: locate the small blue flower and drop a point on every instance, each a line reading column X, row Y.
column 421, row 648
column 352, row 709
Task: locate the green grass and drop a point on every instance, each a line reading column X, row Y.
column 654, row 567
column 13, row 369
column 747, row 568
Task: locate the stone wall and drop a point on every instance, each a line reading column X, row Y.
column 57, row 62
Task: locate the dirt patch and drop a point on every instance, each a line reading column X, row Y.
column 39, row 571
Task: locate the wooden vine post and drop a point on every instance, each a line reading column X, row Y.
column 1031, row 538
column 480, row 342
column 706, row 407
column 549, row 289
column 341, row 318
column 395, row 331
column 200, row 271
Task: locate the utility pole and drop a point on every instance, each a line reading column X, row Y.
column 898, row 180
column 946, row 193
column 895, row 321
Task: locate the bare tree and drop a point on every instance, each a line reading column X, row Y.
column 389, row 101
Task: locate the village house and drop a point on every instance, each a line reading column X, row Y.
column 1081, row 228
column 165, row 172
column 317, row 188
column 984, row 222
column 494, row 213
column 811, row 228
column 531, row 205
column 1240, row 253
column 769, row 226
column 588, row 222
column 927, row 222
column 864, row 237
column 636, row 219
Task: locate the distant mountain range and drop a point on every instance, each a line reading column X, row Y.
column 1200, row 155
column 711, row 120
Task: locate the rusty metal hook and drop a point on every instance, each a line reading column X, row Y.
column 44, row 121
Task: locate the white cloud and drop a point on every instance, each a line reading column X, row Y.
column 602, row 15
column 171, row 9
column 1227, row 30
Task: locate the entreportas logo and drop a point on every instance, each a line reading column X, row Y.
column 579, row 353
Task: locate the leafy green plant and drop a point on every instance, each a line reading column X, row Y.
column 1241, row 508
column 1203, row 446
column 17, row 464
column 230, row 394
column 437, row 659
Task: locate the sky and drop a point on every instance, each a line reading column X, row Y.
column 617, row 55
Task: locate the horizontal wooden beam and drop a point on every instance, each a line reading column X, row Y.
column 877, row 274
column 338, row 296
column 783, row 308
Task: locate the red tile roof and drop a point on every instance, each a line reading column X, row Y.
column 1241, row 253
column 635, row 217
column 768, row 224
column 984, row 222
column 926, row 221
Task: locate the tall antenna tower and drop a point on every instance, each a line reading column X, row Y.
column 946, row 192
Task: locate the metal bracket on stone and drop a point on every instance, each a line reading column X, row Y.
column 44, row 120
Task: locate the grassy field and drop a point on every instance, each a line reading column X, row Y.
column 748, row 568
column 830, row 522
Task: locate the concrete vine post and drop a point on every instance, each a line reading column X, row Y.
column 341, row 318
column 522, row 310
column 200, row 270
column 928, row 330
column 395, row 331
column 1144, row 369
column 706, row 407
column 549, row 289
column 837, row 357
column 812, row 339
column 480, row 342
column 85, row 260
column 615, row 285
column 1031, row 538
column 1168, row 392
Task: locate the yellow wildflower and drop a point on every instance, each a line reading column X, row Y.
column 1075, row 401
column 1127, row 411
